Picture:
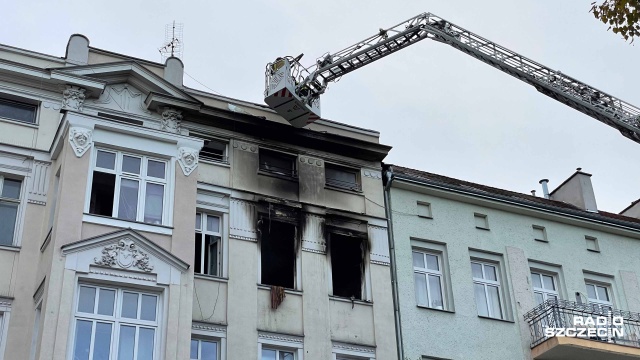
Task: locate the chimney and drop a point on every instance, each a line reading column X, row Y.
column 77, row 50
column 632, row 210
column 577, row 190
column 533, row 192
column 545, row 188
column 174, row 71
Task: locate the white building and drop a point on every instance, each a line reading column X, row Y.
column 141, row 219
column 481, row 272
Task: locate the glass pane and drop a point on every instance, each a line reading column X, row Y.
column 197, row 261
column 148, row 308
column 126, row 343
column 153, row 203
column 490, row 272
column 421, row 289
column 476, row 269
column 131, row 164
column 418, row 259
column 548, row 282
column 198, row 221
column 106, row 160
column 432, row 262
column 539, row 298
column 8, row 215
column 481, row 300
column 591, row 291
column 535, row 278
column 17, row 111
column 102, row 342
column 83, row 340
column 128, row 207
column 102, row 193
column 212, row 244
column 494, row 298
column 194, row 350
column 435, row 290
column 130, row 305
column 145, row 344
column 105, row 302
column 603, row 294
column 86, row 299
column 285, row 355
column 268, row 354
column 11, row 189
column 213, row 223
column 155, row 169
column 209, row 350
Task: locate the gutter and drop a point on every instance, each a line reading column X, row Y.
column 388, row 177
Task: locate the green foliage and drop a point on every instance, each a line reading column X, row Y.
column 622, row 16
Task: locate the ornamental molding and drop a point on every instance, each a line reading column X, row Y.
column 285, row 338
column 245, row 238
column 123, row 97
column 310, row 161
column 345, row 347
column 171, row 120
column 73, row 98
column 374, row 174
column 80, row 140
column 122, row 275
column 188, row 160
column 125, row 254
column 208, row 327
column 383, row 263
column 245, row 146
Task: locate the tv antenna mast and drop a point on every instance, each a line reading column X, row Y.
column 173, row 44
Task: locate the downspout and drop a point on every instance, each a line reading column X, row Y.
column 388, row 179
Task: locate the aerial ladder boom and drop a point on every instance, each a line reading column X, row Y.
column 293, row 91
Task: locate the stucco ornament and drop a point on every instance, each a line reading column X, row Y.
column 171, row 120
column 80, row 140
column 188, row 160
column 124, row 254
column 73, row 98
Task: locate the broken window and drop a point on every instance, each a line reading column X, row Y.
column 347, row 265
column 208, row 245
column 277, row 253
column 277, row 163
column 214, row 150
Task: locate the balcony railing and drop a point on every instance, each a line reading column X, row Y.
column 606, row 323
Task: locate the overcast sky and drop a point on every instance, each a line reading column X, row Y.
column 441, row 110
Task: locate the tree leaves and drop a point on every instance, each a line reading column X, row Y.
column 622, row 16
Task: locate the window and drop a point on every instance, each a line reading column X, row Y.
column 343, row 178
column 54, row 198
column 424, row 209
column 36, row 331
column 486, row 285
column 111, row 322
column 544, row 287
column 129, row 187
column 214, row 150
column 9, row 203
column 592, row 244
column 539, row 233
column 204, row 350
column 481, row 220
column 427, row 274
column 277, row 163
column 599, row 294
column 208, row 244
column 277, row 354
column 277, row 253
column 18, row 111
column 347, row 265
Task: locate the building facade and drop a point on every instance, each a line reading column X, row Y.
column 141, row 219
column 482, row 272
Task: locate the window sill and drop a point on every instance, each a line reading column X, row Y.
column 434, row 309
column 348, row 191
column 542, row 241
column 106, row 220
column 10, row 248
column 211, row 278
column 215, row 162
column 496, row 319
column 428, row 217
column 347, row 300
column 278, row 176
column 482, row 228
column 592, row 250
column 21, row 123
column 286, row 291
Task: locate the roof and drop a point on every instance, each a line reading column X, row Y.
column 428, row 178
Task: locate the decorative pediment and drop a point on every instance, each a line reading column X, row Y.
column 123, row 97
column 124, row 254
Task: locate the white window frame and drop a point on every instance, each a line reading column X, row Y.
column 35, row 336
column 344, row 351
column 5, row 315
column 116, row 320
column 33, row 103
column 426, row 271
column 19, row 211
column 142, row 178
column 486, row 282
column 597, row 300
column 546, row 293
column 209, row 332
column 200, row 339
column 281, row 342
column 202, row 231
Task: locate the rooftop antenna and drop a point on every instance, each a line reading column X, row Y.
column 173, row 44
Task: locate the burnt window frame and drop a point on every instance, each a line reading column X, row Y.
column 22, row 103
column 224, row 158
column 201, row 231
column 337, row 185
column 366, row 275
column 268, row 214
column 286, row 173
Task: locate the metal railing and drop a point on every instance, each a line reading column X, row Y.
column 564, row 314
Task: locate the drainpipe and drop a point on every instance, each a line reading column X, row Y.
column 388, row 179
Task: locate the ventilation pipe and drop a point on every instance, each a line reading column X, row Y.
column 545, row 188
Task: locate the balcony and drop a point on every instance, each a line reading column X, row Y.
column 568, row 330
